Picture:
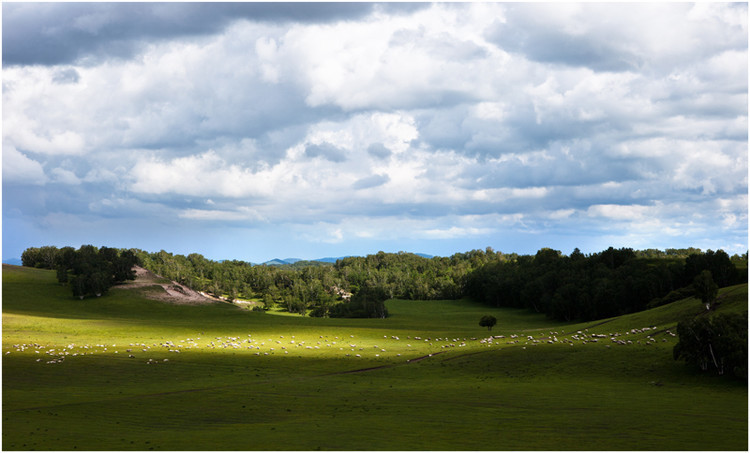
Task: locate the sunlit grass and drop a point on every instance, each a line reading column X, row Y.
column 253, row 381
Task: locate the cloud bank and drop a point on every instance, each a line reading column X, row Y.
column 326, row 129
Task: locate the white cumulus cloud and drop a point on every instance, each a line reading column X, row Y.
column 20, row 169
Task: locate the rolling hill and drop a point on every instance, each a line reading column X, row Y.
column 125, row 372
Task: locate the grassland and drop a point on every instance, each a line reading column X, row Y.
column 425, row 378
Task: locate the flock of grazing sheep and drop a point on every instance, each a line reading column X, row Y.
column 342, row 347
column 583, row 337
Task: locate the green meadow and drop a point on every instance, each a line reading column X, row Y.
column 124, row 372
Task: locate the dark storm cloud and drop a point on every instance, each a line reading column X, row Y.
column 58, row 33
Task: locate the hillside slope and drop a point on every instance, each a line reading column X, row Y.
column 249, row 381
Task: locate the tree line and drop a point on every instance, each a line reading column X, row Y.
column 574, row 287
column 601, row 285
column 90, row 271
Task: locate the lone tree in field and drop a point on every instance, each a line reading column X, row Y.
column 488, row 321
column 706, row 288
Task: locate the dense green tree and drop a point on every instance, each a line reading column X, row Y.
column 41, row 257
column 488, row 321
column 267, row 301
column 62, row 274
column 721, row 266
column 705, row 288
column 369, row 302
column 714, row 342
column 93, row 283
column 93, row 270
column 122, row 266
column 289, row 303
column 66, row 257
column 613, row 258
column 30, row 257
column 48, row 256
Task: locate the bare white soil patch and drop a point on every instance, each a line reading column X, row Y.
column 173, row 291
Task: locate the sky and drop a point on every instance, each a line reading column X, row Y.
column 254, row 131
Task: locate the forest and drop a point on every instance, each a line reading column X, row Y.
column 564, row 287
column 90, row 271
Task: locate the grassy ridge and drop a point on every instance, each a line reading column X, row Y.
column 507, row 396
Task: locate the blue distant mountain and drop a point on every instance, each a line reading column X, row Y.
column 286, row 261
column 14, row 261
column 331, row 260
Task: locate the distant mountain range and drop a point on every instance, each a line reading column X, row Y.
column 273, row 262
column 289, row 261
column 424, row 255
